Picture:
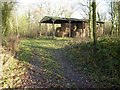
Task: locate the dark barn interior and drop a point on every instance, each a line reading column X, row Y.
column 71, row 27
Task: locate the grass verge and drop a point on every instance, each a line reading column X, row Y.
column 103, row 66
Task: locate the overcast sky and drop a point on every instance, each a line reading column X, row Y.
column 24, row 4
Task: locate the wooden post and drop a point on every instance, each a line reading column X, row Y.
column 53, row 26
column 69, row 28
column 39, row 32
column 103, row 26
column 46, row 29
column 83, row 32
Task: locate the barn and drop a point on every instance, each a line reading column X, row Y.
column 71, row 27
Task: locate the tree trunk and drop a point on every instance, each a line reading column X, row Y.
column 17, row 29
column 0, row 26
column 1, row 37
column 119, row 18
column 112, row 28
column 29, row 23
column 112, row 19
column 94, row 23
column 90, row 20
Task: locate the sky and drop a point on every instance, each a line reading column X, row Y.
column 24, row 4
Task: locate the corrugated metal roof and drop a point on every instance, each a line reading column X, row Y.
column 59, row 20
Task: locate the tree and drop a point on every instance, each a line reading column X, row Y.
column 0, row 26
column 112, row 18
column 90, row 20
column 23, row 24
column 119, row 18
column 10, row 42
column 29, row 20
column 114, row 13
column 86, row 12
column 94, row 22
column 7, row 8
column 86, row 7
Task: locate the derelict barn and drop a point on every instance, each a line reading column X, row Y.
column 71, row 27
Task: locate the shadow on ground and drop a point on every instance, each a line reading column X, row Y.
column 47, row 66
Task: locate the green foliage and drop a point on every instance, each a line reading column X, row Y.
column 103, row 66
column 6, row 13
column 8, row 26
